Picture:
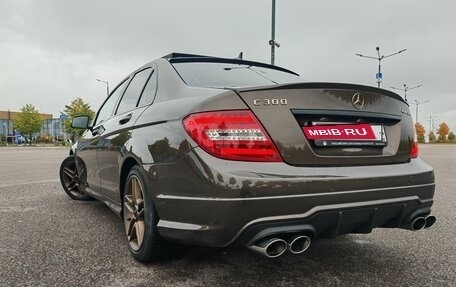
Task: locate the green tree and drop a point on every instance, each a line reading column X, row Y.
column 28, row 121
column 442, row 131
column 420, row 132
column 451, row 136
column 77, row 108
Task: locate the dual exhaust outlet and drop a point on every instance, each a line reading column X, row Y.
column 274, row 247
column 420, row 223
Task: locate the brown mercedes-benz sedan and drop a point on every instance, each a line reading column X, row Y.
column 213, row 151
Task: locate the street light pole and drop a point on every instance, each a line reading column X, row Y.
column 431, row 121
column 379, row 75
column 107, row 85
column 418, row 103
column 405, row 89
column 273, row 43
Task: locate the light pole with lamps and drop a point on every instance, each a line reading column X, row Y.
column 405, row 89
column 432, row 118
column 379, row 75
column 107, row 85
column 418, row 103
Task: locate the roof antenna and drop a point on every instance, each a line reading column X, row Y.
column 240, row 56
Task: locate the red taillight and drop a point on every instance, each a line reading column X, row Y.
column 414, row 150
column 234, row 135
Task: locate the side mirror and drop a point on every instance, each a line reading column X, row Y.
column 80, row 122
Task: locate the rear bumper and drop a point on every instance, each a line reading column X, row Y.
column 207, row 201
column 331, row 221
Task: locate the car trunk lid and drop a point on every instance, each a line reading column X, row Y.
column 330, row 124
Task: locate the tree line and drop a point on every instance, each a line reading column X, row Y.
column 29, row 122
column 442, row 135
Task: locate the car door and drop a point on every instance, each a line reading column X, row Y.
column 114, row 141
column 89, row 142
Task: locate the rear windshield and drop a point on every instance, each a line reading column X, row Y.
column 220, row 75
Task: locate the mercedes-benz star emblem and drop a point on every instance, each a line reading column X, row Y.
column 358, row 101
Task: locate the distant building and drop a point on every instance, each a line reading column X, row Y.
column 52, row 127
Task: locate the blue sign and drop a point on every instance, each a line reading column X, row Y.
column 379, row 75
column 63, row 117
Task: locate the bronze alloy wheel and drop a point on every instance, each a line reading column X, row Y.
column 134, row 212
column 72, row 181
column 141, row 218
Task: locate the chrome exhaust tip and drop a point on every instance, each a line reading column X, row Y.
column 415, row 224
column 430, row 220
column 298, row 244
column 270, row 247
column 418, row 223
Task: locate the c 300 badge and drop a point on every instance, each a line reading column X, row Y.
column 270, row 102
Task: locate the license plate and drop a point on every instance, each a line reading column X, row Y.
column 346, row 135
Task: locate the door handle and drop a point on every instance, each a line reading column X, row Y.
column 98, row 131
column 125, row 119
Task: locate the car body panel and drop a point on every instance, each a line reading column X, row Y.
column 86, row 149
column 240, row 194
column 113, row 146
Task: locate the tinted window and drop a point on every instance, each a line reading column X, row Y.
column 209, row 74
column 148, row 94
column 131, row 95
column 108, row 107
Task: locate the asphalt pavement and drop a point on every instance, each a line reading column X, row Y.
column 47, row 239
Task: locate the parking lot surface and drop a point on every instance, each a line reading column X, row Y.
column 47, row 239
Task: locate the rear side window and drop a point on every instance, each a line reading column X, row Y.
column 133, row 92
column 108, row 107
column 213, row 74
column 148, row 94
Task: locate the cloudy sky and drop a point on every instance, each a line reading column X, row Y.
column 51, row 51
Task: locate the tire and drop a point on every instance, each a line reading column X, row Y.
column 73, row 182
column 140, row 219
